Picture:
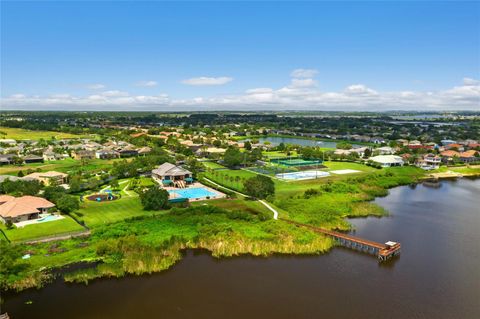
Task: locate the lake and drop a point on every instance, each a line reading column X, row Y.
column 437, row 275
column 276, row 140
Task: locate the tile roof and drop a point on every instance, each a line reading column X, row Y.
column 16, row 206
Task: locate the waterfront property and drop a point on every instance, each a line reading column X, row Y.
column 18, row 209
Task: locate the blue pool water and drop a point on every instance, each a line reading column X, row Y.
column 48, row 218
column 198, row 192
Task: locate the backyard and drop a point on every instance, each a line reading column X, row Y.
column 39, row 230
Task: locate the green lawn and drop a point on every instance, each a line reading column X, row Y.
column 212, row 165
column 67, row 165
column 22, row 134
column 231, row 178
column 332, row 166
column 100, row 213
column 40, row 230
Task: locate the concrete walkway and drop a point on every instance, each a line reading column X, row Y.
column 275, row 213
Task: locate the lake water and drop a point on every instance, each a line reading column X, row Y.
column 296, row 141
column 437, row 275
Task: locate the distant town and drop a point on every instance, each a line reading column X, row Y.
column 86, row 182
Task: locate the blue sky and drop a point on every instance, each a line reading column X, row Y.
column 366, row 55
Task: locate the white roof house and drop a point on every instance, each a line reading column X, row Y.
column 388, row 160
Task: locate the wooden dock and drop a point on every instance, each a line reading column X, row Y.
column 382, row 251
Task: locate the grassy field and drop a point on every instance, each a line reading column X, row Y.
column 39, row 230
column 212, row 165
column 67, row 165
column 228, row 177
column 22, row 134
column 101, row 213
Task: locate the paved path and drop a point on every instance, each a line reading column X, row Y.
column 275, row 213
column 84, row 233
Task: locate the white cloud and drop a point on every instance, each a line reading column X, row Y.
column 95, row 86
column 304, row 73
column 356, row 97
column 360, row 89
column 203, row 80
column 303, row 83
column 114, row 93
column 470, row 82
column 146, row 83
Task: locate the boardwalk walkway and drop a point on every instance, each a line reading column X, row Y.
column 382, row 251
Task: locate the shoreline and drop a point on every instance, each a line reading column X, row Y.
column 43, row 276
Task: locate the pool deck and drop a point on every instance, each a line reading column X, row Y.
column 195, row 185
column 35, row 221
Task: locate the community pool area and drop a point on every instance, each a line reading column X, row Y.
column 192, row 193
column 303, row 175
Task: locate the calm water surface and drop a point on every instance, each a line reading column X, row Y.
column 437, row 275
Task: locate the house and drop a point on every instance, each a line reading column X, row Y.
column 447, row 142
column 169, row 174
column 387, row 160
column 6, row 159
column 128, row 152
column 135, row 135
column 106, row 154
column 210, row 150
column 50, row 155
column 455, row 146
column 385, row 150
column 144, row 150
column 448, row 156
column 49, row 178
column 429, row 161
column 8, row 141
column 469, row 156
column 17, row 209
column 31, row 158
column 83, row 155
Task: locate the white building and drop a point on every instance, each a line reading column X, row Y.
column 387, row 160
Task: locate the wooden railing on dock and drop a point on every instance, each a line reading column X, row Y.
column 382, row 251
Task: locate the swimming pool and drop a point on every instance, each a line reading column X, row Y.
column 303, row 175
column 193, row 193
column 48, row 218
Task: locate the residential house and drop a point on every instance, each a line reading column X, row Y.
column 469, row 156
column 429, row 161
column 385, row 150
column 449, row 156
column 127, row 152
column 83, row 155
column 106, row 154
column 144, row 150
column 50, row 178
column 8, row 141
column 6, row 159
column 17, row 209
column 32, row 158
column 50, row 155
